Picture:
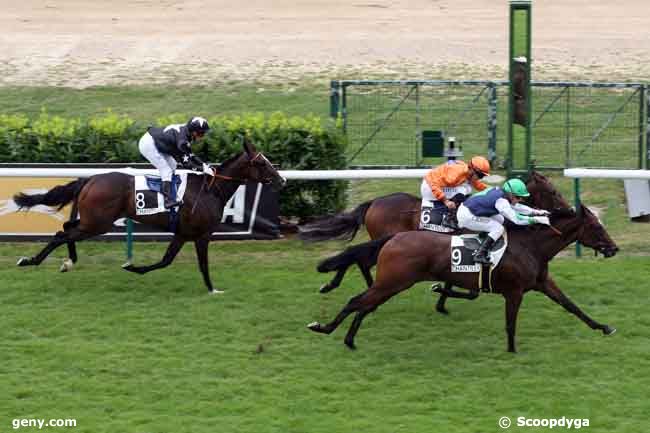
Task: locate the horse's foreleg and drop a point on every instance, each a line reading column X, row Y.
column 513, row 302
column 550, row 289
column 201, row 246
column 173, row 249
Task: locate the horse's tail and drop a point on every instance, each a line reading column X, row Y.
column 342, row 226
column 365, row 253
column 58, row 196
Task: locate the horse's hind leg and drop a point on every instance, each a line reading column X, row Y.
column 349, row 308
column 513, row 302
column 72, row 246
column 60, row 238
column 172, row 250
column 368, row 303
column 335, row 282
column 551, row 290
column 365, row 270
column 448, row 292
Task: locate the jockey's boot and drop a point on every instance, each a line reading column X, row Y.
column 167, row 193
column 482, row 254
column 449, row 221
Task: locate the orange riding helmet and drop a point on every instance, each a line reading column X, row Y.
column 480, row 164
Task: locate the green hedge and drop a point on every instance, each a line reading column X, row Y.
column 296, row 143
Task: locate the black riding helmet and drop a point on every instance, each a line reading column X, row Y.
column 198, row 125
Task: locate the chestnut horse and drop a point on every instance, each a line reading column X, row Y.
column 394, row 213
column 410, row 257
column 104, row 198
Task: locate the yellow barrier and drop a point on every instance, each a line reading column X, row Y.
column 40, row 220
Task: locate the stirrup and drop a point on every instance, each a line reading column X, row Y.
column 171, row 204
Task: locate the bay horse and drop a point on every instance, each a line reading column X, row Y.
column 103, row 198
column 410, row 257
column 390, row 214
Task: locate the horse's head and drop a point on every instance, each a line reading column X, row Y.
column 592, row 234
column 254, row 166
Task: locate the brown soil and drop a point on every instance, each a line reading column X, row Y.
column 82, row 43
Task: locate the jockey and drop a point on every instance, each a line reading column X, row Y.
column 485, row 212
column 164, row 146
column 444, row 182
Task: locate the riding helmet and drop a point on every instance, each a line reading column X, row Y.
column 198, row 124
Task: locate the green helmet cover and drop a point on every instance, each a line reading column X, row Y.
column 516, row 187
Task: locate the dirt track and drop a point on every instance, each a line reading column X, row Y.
column 80, row 43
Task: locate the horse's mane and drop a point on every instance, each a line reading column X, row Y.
column 548, row 188
column 229, row 161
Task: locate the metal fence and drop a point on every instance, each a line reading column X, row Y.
column 574, row 124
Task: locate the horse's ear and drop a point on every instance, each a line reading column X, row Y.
column 249, row 147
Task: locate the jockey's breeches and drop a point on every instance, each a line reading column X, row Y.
column 164, row 163
column 428, row 199
column 493, row 225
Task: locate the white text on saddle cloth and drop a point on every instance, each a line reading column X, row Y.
column 463, row 248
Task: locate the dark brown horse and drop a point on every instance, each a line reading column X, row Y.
column 394, row 213
column 104, row 198
column 414, row 256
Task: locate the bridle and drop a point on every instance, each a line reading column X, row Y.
column 216, row 176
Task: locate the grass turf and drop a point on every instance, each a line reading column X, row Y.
column 122, row 352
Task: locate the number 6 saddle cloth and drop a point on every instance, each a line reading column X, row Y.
column 149, row 200
column 463, row 248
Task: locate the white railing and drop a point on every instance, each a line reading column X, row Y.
column 580, row 173
column 595, row 173
column 287, row 174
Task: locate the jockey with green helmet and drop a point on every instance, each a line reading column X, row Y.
column 486, row 212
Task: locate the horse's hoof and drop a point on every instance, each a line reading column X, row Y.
column 23, row 261
column 608, row 330
column 442, row 310
column 315, row 326
column 215, row 292
column 350, row 345
column 66, row 265
column 326, row 288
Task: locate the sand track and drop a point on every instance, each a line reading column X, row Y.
column 81, row 43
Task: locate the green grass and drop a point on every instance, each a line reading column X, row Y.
column 154, row 353
column 457, row 110
column 145, row 104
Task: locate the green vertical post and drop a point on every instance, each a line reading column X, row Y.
column 520, row 65
column 642, row 126
column 129, row 240
column 647, row 128
column 492, row 123
column 334, row 99
column 576, row 191
column 567, row 132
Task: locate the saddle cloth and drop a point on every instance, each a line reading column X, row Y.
column 431, row 219
column 149, row 200
column 463, row 248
